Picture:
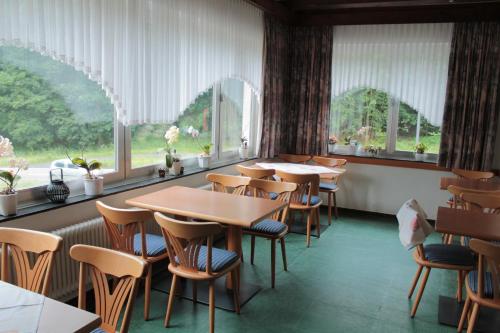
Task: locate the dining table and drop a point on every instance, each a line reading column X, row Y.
column 24, row 311
column 235, row 212
column 492, row 184
column 298, row 168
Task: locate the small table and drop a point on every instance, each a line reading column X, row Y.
column 55, row 317
column 234, row 211
column 323, row 172
column 476, row 225
column 490, row 185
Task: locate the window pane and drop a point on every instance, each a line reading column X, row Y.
column 410, row 127
column 231, row 113
column 149, row 140
column 360, row 115
column 49, row 110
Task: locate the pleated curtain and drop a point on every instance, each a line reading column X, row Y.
column 153, row 57
column 407, row 61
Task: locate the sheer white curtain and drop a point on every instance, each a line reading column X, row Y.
column 408, row 61
column 153, row 57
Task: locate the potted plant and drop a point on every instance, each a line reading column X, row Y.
column 420, row 149
column 373, row 151
column 94, row 184
column 332, row 142
column 172, row 161
column 8, row 195
column 204, row 157
column 243, row 150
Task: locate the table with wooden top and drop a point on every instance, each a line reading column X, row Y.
column 490, row 185
column 476, row 225
column 234, row 211
column 55, row 317
column 322, row 171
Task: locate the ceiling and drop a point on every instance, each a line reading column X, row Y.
column 317, row 12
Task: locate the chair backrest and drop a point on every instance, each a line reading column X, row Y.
column 102, row 263
column 292, row 158
column 23, row 244
column 228, row 184
column 185, row 239
column 458, row 191
column 329, row 162
column 489, row 260
column 477, row 175
column 263, row 188
column 483, row 202
column 122, row 225
column 307, row 185
column 255, row 173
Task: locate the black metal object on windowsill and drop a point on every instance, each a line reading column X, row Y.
column 57, row 191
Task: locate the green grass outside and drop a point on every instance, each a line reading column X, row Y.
column 408, row 144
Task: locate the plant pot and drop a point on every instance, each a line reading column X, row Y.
column 8, row 204
column 204, row 162
column 94, row 186
column 243, row 152
column 420, row 157
column 175, row 170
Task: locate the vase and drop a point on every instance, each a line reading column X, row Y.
column 243, row 151
column 420, row 156
column 8, row 204
column 204, row 161
column 93, row 186
column 175, row 170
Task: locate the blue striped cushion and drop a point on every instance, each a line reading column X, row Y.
column 269, row 226
column 155, row 245
column 328, row 186
column 273, row 195
column 98, row 330
column 220, row 259
column 449, row 254
column 314, row 200
column 488, row 283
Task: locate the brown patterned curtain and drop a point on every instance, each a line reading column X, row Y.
column 276, row 83
column 472, row 105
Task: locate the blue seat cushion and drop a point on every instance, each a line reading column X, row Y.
column 449, row 254
column 273, row 195
column 328, row 186
column 314, row 200
column 487, row 286
column 466, row 241
column 269, row 226
column 155, row 245
column 98, row 330
column 220, row 259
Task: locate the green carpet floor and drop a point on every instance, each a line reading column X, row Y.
column 355, row 278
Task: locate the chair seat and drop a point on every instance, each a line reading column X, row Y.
column 98, row 330
column 472, row 278
column 155, row 245
column 271, row 227
column 449, row 254
column 328, row 186
column 314, row 200
column 221, row 259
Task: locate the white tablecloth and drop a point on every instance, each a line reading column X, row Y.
column 298, row 168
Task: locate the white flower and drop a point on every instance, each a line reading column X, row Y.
column 195, row 133
column 19, row 163
column 6, row 148
column 190, row 129
column 172, row 135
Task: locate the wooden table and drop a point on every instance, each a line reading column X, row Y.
column 58, row 317
column 322, row 171
column 234, row 211
column 466, row 223
column 490, row 185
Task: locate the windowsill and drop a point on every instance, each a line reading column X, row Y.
column 33, row 208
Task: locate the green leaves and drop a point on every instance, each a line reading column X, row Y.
column 7, row 177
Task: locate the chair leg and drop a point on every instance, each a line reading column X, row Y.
column 460, row 286
column 283, row 253
column 211, row 306
column 465, row 313
column 273, row 262
column 171, row 297
column 252, row 248
column 236, row 293
column 473, row 318
column 195, row 291
column 308, row 234
column 329, row 208
column 147, row 292
column 420, row 291
column 415, row 281
column 318, row 226
column 335, row 205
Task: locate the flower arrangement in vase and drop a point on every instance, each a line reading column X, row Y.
column 10, row 178
column 420, row 149
column 172, row 161
column 243, row 150
column 94, row 183
column 204, row 157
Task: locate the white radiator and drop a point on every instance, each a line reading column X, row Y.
column 65, row 272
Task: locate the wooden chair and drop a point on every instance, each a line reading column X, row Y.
column 21, row 244
column 488, row 203
column 274, row 228
column 291, row 158
column 103, row 263
column 305, row 198
column 228, row 184
column 127, row 233
column 196, row 261
column 476, row 175
column 330, row 186
column 255, row 173
column 482, row 285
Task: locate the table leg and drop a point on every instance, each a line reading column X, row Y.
column 234, row 239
